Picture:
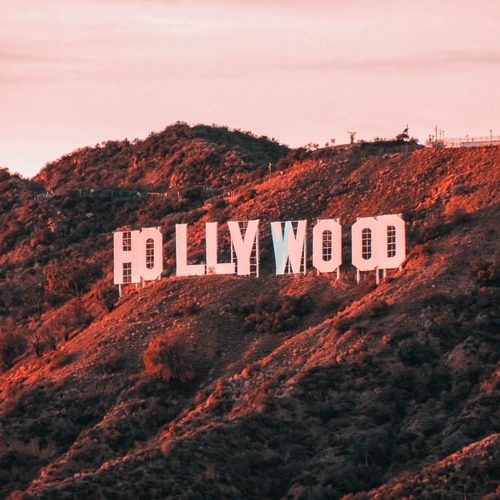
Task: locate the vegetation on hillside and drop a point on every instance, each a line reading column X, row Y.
column 178, row 157
column 293, row 386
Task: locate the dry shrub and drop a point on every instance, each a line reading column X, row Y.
column 106, row 295
column 487, row 272
column 427, row 232
column 12, row 345
column 69, row 318
column 377, row 309
column 414, row 353
column 271, row 315
column 62, row 358
column 112, row 362
column 169, row 359
column 188, row 308
column 344, row 324
column 457, row 217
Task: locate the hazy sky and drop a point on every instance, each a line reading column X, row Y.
column 77, row 72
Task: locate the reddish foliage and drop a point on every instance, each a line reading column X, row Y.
column 170, row 359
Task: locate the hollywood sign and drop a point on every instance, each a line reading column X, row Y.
column 378, row 243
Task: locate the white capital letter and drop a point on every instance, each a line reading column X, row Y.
column 378, row 242
column 364, row 233
column 334, row 248
column 182, row 267
column 289, row 247
column 392, row 241
column 138, row 255
column 213, row 266
column 243, row 246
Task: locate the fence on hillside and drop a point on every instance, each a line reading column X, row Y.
column 466, row 142
column 118, row 193
column 342, row 152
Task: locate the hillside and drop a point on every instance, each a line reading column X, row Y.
column 284, row 387
column 178, row 157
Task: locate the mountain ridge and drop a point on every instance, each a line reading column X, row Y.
column 165, row 160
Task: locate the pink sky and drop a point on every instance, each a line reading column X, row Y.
column 78, row 72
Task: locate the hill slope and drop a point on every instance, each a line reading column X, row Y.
column 178, row 157
column 302, row 386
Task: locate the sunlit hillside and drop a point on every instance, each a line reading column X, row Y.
column 296, row 386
